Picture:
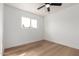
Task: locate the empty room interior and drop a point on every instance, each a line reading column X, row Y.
column 39, row 29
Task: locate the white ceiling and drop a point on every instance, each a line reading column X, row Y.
column 32, row 7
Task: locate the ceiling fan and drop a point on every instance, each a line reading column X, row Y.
column 48, row 5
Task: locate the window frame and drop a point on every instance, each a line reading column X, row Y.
column 30, row 22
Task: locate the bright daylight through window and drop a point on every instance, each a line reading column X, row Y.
column 34, row 23
column 28, row 22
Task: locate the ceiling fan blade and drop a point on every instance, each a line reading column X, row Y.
column 41, row 7
column 48, row 9
column 56, row 4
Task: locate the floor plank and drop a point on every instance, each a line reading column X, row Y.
column 41, row 48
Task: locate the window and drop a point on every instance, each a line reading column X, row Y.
column 27, row 22
column 34, row 23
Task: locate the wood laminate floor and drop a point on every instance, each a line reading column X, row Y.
column 41, row 48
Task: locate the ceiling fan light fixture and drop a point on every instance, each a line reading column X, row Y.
column 47, row 5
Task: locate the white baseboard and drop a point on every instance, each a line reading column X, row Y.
column 61, row 43
column 23, row 43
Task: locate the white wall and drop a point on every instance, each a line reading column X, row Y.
column 63, row 27
column 13, row 33
column 1, row 27
column 60, row 27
